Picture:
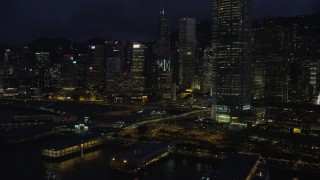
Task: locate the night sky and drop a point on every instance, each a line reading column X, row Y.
column 25, row 20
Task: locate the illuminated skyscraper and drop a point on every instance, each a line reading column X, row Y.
column 1, row 79
column 269, row 62
column 11, row 68
column 41, row 73
column 207, row 72
column 137, row 69
column 114, row 65
column 96, row 71
column 163, row 49
column 69, row 73
column 162, row 62
column 186, row 51
column 231, row 47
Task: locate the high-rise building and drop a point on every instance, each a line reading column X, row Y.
column 1, row 79
column 115, row 59
column 137, row 69
column 186, row 51
column 69, row 73
column 55, row 75
column 82, row 62
column 10, row 69
column 207, row 72
column 96, row 71
column 162, row 64
column 163, row 44
column 41, row 72
column 269, row 79
column 231, row 45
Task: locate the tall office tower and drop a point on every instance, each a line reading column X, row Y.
column 162, row 62
column 1, row 79
column 163, row 49
column 11, row 68
column 269, row 63
column 186, row 51
column 42, row 59
column 96, row 71
column 41, row 73
column 137, row 69
column 82, row 61
column 207, row 72
column 231, row 45
column 115, row 59
column 69, row 73
column 55, row 75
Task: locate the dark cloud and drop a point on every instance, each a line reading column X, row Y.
column 25, row 20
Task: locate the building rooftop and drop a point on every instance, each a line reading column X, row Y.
column 141, row 152
column 65, row 142
column 237, row 166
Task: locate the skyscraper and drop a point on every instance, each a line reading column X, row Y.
column 186, row 51
column 231, row 47
column 164, row 36
column 114, row 64
column 162, row 62
column 137, row 69
column 207, row 72
column 269, row 62
column 69, row 73
column 1, row 79
column 96, row 72
column 41, row 72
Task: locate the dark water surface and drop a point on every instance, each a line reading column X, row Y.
column 25, row 162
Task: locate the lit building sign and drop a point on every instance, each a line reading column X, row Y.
column 297, row 131
column 246, row 107
column 136, row 46
column 164, row 65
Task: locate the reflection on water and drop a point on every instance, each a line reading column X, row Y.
column 61, row 167
column 95, row 165
column 25, row 162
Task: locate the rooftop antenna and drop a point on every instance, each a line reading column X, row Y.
column 162, row 10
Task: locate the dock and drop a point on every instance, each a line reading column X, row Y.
column 139, row 157
column 60, row 148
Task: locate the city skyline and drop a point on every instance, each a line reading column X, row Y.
column 25, row 21
column 226, row 98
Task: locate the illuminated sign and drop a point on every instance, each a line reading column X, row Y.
column 164, row 65
column 297, row 131
column 223, row 118
column 93, row 47
column 136, row 46
column 246, row 107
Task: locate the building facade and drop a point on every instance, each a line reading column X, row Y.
column 186, row 51
column 231, row 45
column 137, row 69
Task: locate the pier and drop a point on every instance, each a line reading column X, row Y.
column 139, row 157
column 62, row 148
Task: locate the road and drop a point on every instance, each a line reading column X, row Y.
column 168, row 118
